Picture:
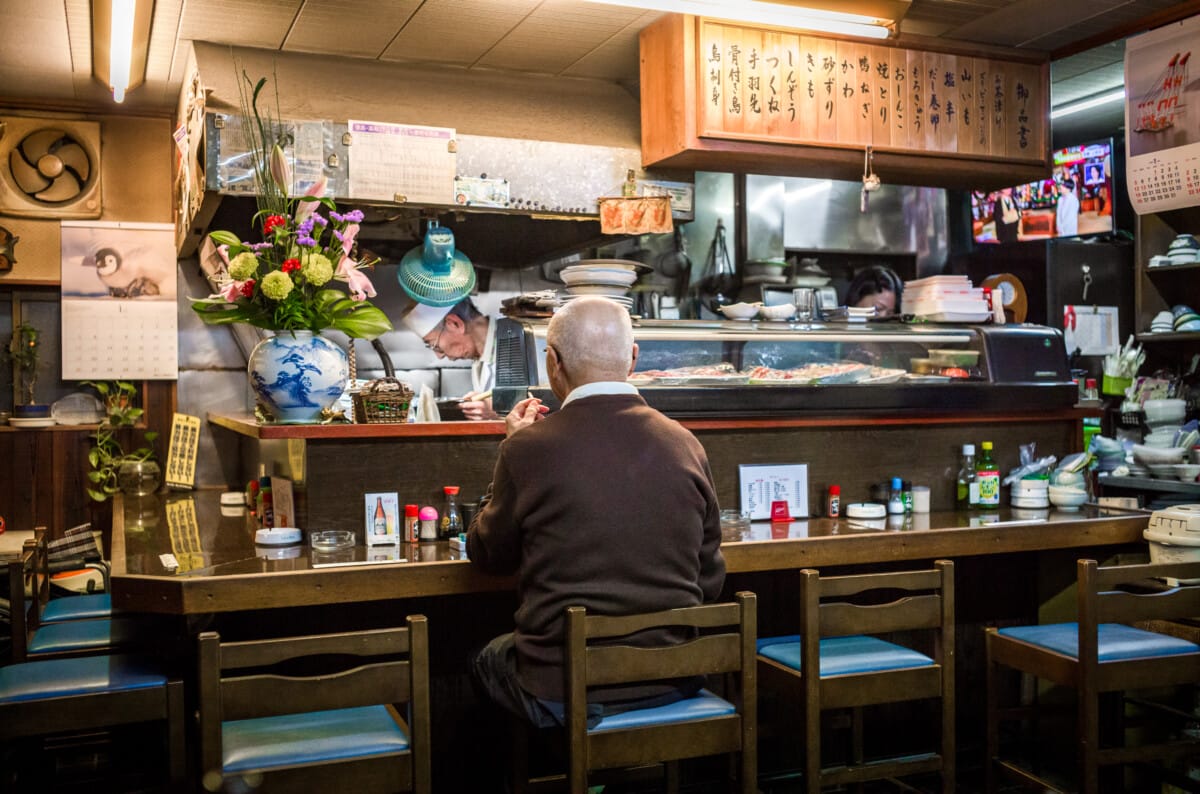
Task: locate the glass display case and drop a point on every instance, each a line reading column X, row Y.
column 747, row 368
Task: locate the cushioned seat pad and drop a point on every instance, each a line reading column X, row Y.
column 66, row 677
column 82, row 635
column 84, row 607
column 311, row 737
column 845, row 655
column 704, row 705
column 1116, row 641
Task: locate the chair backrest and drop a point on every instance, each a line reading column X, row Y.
column 292, row 675
column 28, row 591
column 724, row 643
column 1128, row 593
column 876, row 603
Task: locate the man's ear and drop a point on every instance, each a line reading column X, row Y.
column 633, row 359
column 454, row 324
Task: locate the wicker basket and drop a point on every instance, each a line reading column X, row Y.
column 382, row 401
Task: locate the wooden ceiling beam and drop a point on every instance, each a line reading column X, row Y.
column 1166, row 16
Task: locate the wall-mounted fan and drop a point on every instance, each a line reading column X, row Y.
column 49, row 168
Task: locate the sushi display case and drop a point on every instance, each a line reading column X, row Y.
column 698, row 368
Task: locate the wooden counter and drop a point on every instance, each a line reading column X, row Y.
column 221, row 570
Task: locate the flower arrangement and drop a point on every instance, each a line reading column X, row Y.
column 285, row 282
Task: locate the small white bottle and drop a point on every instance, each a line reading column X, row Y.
column 895, row 505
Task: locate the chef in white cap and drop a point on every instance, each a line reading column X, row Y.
column 458, row 332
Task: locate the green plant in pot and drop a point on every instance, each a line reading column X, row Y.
column 114, row 469
column 24, row 351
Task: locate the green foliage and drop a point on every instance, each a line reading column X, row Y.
column 23, row 350
column 107, row 454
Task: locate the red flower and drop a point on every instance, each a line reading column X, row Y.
column 248, row 288
column 290, row 265
column 273, row 221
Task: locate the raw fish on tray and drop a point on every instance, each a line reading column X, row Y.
column 836, row 372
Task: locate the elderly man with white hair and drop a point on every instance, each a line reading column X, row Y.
column 605, row 504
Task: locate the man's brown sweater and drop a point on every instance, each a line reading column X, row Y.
column 606, row 504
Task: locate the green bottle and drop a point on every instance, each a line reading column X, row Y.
column 987, row 476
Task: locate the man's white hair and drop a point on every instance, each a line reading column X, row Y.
column 593, row 338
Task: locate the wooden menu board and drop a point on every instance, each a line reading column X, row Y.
column 768, row 85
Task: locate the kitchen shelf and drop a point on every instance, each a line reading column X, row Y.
column 1173, row 336
column 1161, row 270
column 1150, row 484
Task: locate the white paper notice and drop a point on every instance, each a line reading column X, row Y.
column 119, row 316
column 1162, row 140
column 761, row 484
column 1093, row 330
column 401, row 162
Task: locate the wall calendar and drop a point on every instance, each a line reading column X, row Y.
column 119, row 314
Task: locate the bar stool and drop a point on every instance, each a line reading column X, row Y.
column 1097, row 656
column 703, row 725
column 317, row 713
column 838, row 615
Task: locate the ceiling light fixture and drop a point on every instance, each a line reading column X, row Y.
column 872, row 19
column 120, row 43
column 1087, row 103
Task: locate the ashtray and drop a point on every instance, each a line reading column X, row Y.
column 331, row 539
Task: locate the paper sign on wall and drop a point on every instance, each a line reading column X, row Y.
column 760, row 484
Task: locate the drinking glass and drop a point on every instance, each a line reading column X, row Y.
column 803, row 297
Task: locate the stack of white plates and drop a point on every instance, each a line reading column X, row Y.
column 1183, row 250
column 610, row 279
column 1031, row 493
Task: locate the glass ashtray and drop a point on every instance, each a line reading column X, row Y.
column 331, row 539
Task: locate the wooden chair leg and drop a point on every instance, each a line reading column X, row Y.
column 858, row 753
column 993, row 726
column 812, row 747
column 176, row 731
column 949, row 744
column 519, row 760
column 671, row 776
column 1089, row 738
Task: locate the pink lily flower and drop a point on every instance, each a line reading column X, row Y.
column 223, row 252
column 360, row 286
column 305, row 208
column 281, row 172
column 348, row 236
column 231, row 291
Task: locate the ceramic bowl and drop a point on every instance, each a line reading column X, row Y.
column 1164, row 471
column 1067, row 498
column 1151, row 456
column 781, row 311
column 1163, row 412
column 741, row 311
column 1187, row 472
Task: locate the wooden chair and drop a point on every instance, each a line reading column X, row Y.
column 71, row 633
column 699, row 726
column 838, row 615
column 317, row 713
column 1100, row 654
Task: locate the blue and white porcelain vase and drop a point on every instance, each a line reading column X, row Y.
column 295, row 374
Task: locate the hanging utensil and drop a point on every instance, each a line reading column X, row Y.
column 719, row 284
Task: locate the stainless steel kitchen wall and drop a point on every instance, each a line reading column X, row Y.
column 801, row 214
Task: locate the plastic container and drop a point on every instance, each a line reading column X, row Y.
column 428, row 518
column 1117, row 386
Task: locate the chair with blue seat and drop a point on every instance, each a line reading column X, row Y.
column 839, row 616
column 72, row 633
column 1101, row 656
column 63, row 698
column 703, row 725
column 318, row 712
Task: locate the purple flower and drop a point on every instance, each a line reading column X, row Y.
column 260, row 246
column 338, row 235
column 305, row 240
column 354, row 216
column 337, row 216
column 320, row 219
column 305, row 228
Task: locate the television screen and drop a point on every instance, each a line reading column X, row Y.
column 1076, row 200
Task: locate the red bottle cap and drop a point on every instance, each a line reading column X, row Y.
column 1090, row 383
column 835, row 489
column 450, row 490
column 410, row 510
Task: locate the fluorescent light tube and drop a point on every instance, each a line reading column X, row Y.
column 1087, row 104
column 765, row 13
column 120, row 48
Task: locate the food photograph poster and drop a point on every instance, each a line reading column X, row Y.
column 119, row 314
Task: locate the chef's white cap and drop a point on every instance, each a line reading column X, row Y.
column 423, row 318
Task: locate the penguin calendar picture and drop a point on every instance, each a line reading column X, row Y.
column 119, row 285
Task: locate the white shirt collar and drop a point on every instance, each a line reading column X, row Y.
column 599, row 387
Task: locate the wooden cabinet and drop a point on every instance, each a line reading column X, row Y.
column 1160, row 288
column 723, row 97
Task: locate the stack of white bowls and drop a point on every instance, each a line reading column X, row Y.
column 1031, row 493
column 606, row 278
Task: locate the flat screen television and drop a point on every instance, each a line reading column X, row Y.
column 1076, row 200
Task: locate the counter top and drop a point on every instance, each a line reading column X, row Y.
column 247, row 425
column 219, row 569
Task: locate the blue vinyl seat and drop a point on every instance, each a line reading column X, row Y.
column 266, row 717
column 855, row 670
column 1100, row 656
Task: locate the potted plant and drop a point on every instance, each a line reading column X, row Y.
column 114, row 469
column 24, row 349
